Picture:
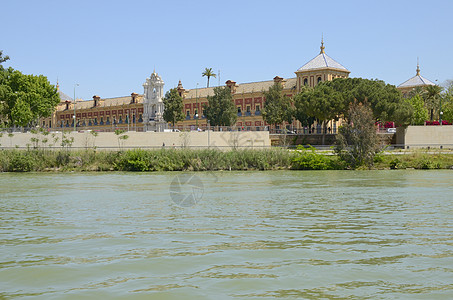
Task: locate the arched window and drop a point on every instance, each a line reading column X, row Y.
column 319, row 79
column 305, row 81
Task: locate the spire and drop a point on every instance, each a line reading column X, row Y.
column 418, row 68
column 58, row 86
column 322, row 44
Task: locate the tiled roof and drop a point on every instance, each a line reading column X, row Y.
column 417, row 80
column 249, row 87
column 107, row 102
column 322, row 61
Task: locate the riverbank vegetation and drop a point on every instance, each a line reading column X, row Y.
column 39, row 160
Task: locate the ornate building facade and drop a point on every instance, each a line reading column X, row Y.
column 249, row 97
column 145, row 112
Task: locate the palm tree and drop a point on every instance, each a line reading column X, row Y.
column 432, row 95
column 208, row 73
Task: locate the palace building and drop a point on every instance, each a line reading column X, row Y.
column 144, row 112
column 249, row 99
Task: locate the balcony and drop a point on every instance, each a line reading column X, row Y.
column 257, row 113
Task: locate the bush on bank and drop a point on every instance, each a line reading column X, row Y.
column 144, row 160
column 202, row 160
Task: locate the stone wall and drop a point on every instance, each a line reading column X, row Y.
column 425, row 136
column 108, row 140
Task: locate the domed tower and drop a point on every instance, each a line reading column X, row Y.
column 414, row 82
column 321, row 68
column 153, row 105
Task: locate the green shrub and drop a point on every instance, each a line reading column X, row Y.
column 426, row 163
column 396, row 163
column 22, row 162
column 308, row 159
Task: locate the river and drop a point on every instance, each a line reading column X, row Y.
column 227, row 235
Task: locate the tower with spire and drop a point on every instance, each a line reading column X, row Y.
column 153, row 105
column 321, row 68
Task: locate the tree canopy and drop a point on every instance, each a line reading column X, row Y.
column 277, row 107
column 357, row 141
column 420, row 113
column 220, row 110
column 25, row 98
column 331, row 99
column 173, row 111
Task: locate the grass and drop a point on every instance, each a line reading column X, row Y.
column 144, row 160
column 39, row 160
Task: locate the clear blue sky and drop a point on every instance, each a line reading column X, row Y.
column 111, row 47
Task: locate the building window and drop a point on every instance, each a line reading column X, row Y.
column 188, row 115
column 248, row 113
column 305, row 81
column 102, row 121
column 257, row 110
column 319, row 79
column 239, row 111
column 107, row 122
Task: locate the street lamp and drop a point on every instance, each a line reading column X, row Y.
column 196, row 106
column 209, row 129
column 75, row 85
column 440, row 109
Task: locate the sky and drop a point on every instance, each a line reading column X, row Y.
column 109, row 48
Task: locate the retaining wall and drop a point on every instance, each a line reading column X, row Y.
column 425, row 136
column 109, row 140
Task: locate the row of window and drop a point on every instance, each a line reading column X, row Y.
column 247, row 113
column 94, row 122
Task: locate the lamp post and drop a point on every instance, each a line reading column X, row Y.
column 440, row 109
column 196, row 106
column 75, row 85
column 209, row 129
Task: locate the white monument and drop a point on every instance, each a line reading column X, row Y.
column 153, row 106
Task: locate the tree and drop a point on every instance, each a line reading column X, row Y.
column 420, row 114
column 447, row 101
column 3, row 59
column 221, row 110
column 357, row 141
column 173, row 111
column 208, row 73
column 277, row 107
column 433, row 94
column 300, row 112
column 323, row 103
column 26, row 98
column 334, row 97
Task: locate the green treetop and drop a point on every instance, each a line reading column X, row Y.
column 221, row 110
column 173, row 111
column 277, row 107
column 26, row 97
column 420, row 114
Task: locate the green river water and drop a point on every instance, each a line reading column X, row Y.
column 233, row 235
